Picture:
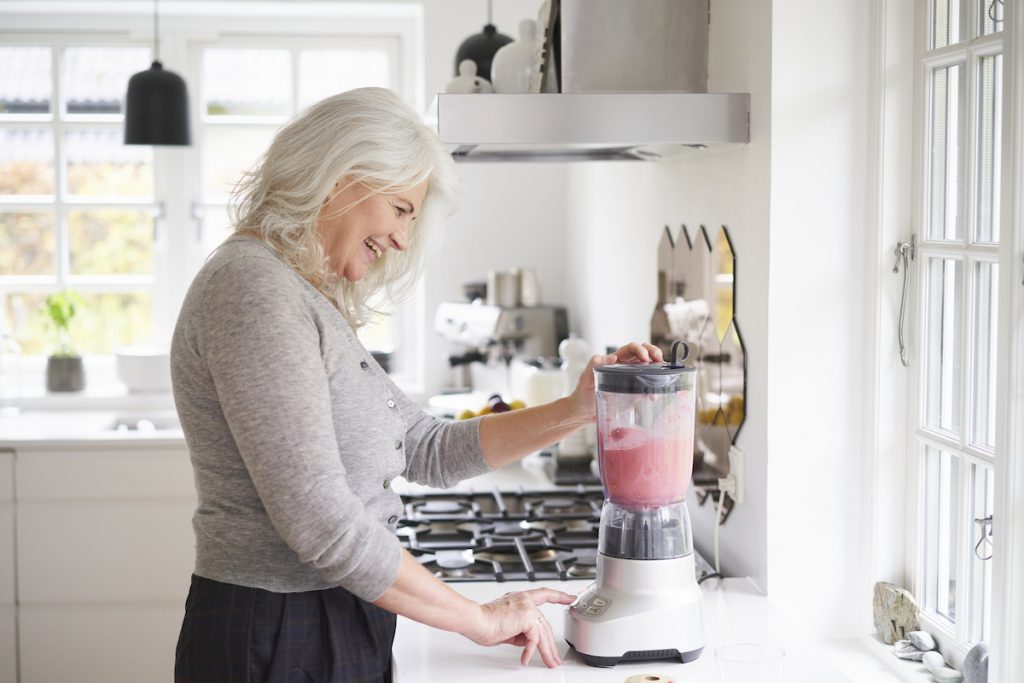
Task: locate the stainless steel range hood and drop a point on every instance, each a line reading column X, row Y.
column 588, row 126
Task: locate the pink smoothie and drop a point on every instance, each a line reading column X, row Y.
column 641, row 471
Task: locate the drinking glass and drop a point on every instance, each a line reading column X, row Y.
column 749, row 663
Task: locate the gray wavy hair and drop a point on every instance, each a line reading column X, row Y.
column 370, row 136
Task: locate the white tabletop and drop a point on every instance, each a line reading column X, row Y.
column 734, row 611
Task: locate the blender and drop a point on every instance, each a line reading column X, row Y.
column 645, row 602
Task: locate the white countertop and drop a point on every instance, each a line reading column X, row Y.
column 734, row 612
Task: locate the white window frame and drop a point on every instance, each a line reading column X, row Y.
column 183, row 23
column 59, row 203
column 892, row 493
column 968, row 52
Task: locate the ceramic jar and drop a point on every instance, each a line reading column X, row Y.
column 513, row 65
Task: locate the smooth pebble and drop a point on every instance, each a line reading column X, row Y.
column 922, row 640
column 933, row 660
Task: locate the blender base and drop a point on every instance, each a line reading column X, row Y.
column 638, row 656
column 638, row 610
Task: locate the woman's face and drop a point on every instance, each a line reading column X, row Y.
column 376, row 222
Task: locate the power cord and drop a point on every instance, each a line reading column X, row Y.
column 726, row 487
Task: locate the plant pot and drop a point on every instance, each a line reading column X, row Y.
column 65, row 373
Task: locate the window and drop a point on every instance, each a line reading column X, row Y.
column 953, row 438
column 76, row 205
column 128, row 226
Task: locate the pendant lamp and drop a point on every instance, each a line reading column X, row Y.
column 480, row 47
column 156, row 105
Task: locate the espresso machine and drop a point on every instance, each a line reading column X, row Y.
column 492, row 336
column 645, row 602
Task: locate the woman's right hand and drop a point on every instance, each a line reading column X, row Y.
column 514, row 619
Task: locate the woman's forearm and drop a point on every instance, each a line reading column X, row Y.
column 420, row 596
column 507, row 437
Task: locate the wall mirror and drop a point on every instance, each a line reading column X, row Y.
column 697, row 303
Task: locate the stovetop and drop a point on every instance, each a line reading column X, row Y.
column 505, row 536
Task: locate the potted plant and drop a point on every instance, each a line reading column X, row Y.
column 64, row 369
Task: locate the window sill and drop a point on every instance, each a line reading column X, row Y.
column 870, row 661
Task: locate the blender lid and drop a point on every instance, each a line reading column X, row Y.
column 648, row 378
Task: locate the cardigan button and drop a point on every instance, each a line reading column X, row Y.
column 398, row 445
column 393, row 519
column 364, row 365
column 391, row 403
column 387, row 483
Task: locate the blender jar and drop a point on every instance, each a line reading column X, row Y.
column 645, row 427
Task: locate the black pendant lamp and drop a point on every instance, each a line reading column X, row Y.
column 156, row 105
column 480, row 47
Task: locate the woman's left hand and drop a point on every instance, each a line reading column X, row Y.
column 582, row 397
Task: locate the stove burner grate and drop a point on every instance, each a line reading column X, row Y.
column 504, row 536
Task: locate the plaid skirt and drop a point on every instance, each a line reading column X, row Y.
column 233, row 633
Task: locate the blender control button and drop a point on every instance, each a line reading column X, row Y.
column 594, row 610
column 599, row 602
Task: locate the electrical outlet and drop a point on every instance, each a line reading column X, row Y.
column 737, row 470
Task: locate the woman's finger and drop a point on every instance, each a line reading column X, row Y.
column 548, row 651
column 532, row 638
column 539, row 596
column 655, row 352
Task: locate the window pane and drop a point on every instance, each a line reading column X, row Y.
column 254, row 82
column 100, row 164
column 949, row 22
column 26, row 161
column 323, row 73
column 990, row 16
column 990, row 108
column 110, row 242
column 26, row 80
column 216, row 228
column 28, row 243
column 226, row 154
column 943, row 320
column 942, row 517
column 104, row 321
column 986, row 308
column 110, row 320
column 980, row 598
column 94, row 79
column 946, row 170
column 24, row 317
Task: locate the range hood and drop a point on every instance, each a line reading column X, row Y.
column 588, row 126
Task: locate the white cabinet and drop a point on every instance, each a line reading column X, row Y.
column 8, row 632
column 8, row 646
column 104, row 556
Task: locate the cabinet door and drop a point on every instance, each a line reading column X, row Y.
column 104, row 551
column 106, row 472
column 99, row 643
column 8, row 646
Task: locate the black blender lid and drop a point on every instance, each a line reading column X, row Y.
column 647, row 378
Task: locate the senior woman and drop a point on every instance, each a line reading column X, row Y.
column 295, row 433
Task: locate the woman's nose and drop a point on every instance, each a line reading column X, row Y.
column 400, row 236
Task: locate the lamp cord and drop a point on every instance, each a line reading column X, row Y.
column 156, row 30
column 490, row 7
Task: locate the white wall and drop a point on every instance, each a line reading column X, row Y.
column 820, row 229
column 509, row 214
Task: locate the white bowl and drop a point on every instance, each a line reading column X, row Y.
column 144, row 369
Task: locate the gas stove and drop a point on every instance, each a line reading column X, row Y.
column 505, row 536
